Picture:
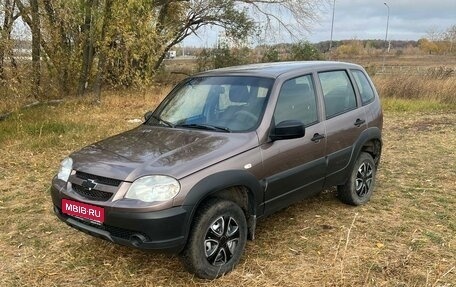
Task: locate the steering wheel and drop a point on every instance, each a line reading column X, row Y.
column 243, row 114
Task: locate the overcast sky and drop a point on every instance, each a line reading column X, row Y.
column 366, row 19
column 355, row 19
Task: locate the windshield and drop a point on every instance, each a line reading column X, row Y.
column 226, row 104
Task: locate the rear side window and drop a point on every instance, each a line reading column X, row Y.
column 297, row 101
column 365, row 88
column 338, row 93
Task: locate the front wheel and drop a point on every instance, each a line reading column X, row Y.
column 359, row 187
column 217, row 239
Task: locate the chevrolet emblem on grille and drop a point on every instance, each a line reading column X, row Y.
column 89, row 184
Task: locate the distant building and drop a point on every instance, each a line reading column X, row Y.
column 171, row 54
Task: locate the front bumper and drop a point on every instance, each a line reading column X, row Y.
column 164, row 230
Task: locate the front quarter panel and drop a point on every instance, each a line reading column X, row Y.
column 235, row 171
column 240, row 170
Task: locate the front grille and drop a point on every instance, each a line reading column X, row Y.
column 114, row 231
column 98, row 179
column 92, row 194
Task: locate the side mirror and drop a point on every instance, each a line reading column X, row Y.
column 287, row 130
column 148, row 115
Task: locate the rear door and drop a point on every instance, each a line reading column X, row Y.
column 295, row 168
column 345, row 121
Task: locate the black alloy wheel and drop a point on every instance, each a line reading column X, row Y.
column 217, row 239
column 360, row 185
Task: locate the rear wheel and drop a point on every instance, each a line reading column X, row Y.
column 359, row 187
column 217, row 239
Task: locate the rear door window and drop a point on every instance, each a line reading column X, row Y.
column 339, row 95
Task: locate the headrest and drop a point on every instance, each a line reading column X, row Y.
column 239, row 94
column 217, row 90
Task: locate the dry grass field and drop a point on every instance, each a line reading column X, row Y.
column 406, row 236
column 406, row 60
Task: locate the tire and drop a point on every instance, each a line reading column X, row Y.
column 360, row 186
column 217, row 239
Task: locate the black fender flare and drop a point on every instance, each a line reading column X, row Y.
column 373, row 133
column 224, row 180
column 220, row 181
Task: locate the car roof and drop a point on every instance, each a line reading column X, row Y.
column 276, row 69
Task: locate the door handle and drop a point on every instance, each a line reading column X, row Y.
column 359, row 122
column 317, row 137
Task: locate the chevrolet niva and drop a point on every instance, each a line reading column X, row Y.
column 222, row 150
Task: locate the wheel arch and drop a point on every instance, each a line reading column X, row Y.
column 372, row 144
column 370, row 141
column 238, row 186
column 374, row 148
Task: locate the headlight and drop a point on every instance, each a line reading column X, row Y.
column 153, row 188
column 65, row 169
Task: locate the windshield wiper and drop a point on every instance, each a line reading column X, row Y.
column 205, row 127
column 160, row 120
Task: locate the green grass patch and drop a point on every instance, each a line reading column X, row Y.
column 40, row 128
column 408, row 105
column 46, row 128
column 434, row 237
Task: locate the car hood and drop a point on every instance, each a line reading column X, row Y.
column 148, row 150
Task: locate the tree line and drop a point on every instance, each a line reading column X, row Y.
column 80, row 45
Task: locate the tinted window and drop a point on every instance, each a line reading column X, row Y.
column 338, row 93
column 297, row 101
column 365, row 89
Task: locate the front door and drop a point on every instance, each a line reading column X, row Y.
column 295, row 168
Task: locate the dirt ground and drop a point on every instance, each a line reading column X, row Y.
column 406, row 235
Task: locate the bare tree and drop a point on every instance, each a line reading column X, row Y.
column 293, row 16
column 434, row 34
column 9, row 17
column 238, row 17
column 451, row 36
column 102, row 53
column 36, row 49
column 87, row 56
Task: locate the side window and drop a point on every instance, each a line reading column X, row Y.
column 297, row 101
column 365, row 88
column 338, row 92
